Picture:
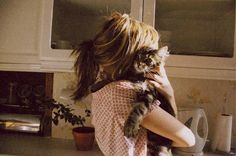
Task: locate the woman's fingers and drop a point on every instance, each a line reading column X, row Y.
column 160, row 88
column 160, row 70
column 155, row 83
column 155, row 77
column 164, row 87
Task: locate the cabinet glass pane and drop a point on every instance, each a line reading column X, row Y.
column 197, row 27
column 77, row 20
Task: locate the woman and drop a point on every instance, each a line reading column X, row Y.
column 108, row 57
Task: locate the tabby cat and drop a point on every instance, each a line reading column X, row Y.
column 146, row 60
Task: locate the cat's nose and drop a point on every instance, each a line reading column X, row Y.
column 148, row 62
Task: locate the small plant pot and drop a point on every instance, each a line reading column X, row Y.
column 84, row 138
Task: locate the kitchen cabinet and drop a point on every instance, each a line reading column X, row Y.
column 35, row 34
column 201, row 52
column 200, row 36
column 39, row 35
column 20, row 31
column 67, row 22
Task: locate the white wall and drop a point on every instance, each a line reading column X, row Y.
column 210, row 92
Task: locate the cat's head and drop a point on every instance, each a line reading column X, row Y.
column 147, row 58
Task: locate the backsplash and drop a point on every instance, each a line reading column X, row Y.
column 215, row 96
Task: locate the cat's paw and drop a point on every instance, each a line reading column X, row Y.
column 161, row 151
column 131, row 129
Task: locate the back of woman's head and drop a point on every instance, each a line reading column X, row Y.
column 112, row 49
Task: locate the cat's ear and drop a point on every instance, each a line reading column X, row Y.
column 163, row 52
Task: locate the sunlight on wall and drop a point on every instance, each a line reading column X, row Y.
column 208, row 94
column 66, row 81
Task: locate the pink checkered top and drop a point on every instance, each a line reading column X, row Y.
column 111, row 106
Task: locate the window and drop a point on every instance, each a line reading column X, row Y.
column 77, row 20
column 197, row 27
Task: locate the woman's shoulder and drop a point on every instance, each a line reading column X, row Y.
column 117, row 93
column 121, row 86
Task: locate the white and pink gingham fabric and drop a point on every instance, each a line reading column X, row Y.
column 111, row 106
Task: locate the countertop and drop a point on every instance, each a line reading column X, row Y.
column 31, row 145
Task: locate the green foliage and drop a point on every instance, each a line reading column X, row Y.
column 61, row 111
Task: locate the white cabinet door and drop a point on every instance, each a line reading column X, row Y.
column 67, row 22
column 20, row 32
column 200, row 35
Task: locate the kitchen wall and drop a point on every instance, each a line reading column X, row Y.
column 66, row 81
column 209, row 94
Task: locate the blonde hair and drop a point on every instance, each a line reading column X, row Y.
column 113, row 47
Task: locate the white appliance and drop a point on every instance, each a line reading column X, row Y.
column 195, row 119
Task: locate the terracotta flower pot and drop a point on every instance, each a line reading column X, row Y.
column 83, row 137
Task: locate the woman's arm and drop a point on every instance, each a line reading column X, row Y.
column 164, row 124
column 161, row 122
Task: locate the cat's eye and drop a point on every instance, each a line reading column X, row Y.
column 148, row 61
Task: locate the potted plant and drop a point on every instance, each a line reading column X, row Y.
column 83, row 135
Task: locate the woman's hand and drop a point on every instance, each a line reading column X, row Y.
column 160, row 80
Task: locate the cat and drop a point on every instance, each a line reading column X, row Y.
column 145, row 60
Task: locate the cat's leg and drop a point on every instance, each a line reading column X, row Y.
column 137, row 114
column 135, row 118
column 164, row 151
column 139, row 110
column 159, row 150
